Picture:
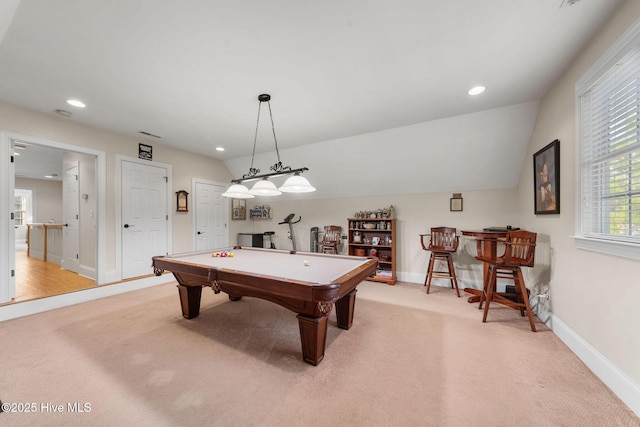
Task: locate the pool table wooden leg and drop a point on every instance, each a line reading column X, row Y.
column 344, row 310
column 190, row 300
column 313, row 335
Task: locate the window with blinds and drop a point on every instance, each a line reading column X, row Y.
column 610, row 151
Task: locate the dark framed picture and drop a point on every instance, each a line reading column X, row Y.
column 145, row 152
column 238, row 209
column 546, row 179
column 455, row 204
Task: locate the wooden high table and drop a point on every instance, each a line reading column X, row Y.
column 487, row 245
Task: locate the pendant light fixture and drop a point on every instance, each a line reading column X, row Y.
column 263, row 186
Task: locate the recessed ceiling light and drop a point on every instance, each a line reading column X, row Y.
column 219, row 148
column 476, row 90
column 76, row 103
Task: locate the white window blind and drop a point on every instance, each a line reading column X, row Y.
column 610, row 152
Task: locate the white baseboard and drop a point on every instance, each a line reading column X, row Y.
column 619, row 383
column 112, row 276
column 28, row 308
column 54, row 259
column 410, row 277
column 87, row 271
column 418, row 278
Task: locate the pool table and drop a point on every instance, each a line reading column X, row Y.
column 308, row 284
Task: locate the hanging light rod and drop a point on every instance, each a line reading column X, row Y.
column 269, row 175
column 264, row 187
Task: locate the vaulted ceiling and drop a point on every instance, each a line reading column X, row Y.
column 371, row 95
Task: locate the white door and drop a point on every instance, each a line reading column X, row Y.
column 144, row 217
column 71, row 220
column 8, row 251
column 210, row 218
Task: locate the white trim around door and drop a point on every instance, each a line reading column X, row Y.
column 118, row 196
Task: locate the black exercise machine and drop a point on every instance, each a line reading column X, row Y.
column 289, row 220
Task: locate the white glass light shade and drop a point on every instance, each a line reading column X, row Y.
column 238, row 191
column 296, row 184
column 264, row 187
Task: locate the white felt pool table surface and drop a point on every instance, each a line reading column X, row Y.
column 314, row 268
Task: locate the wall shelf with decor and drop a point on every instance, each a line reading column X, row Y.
column 260, row 212
column 375, row 238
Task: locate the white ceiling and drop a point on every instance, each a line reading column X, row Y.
column 368, row 83
column 38, row 162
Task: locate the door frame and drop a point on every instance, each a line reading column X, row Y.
column 118, row 194
column 7, row 188
column 194, row 203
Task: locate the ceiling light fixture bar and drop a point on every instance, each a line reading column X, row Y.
column 264, row 187
column 246, row 178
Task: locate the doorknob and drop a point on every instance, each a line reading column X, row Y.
column 127, row 226
column 199, row 232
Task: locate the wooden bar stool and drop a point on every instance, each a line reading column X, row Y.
column 519, row 251
column 443, row 244
column 330, row 239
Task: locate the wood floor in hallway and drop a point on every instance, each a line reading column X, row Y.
column 38, row 279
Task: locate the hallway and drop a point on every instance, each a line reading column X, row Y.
column 38, row 279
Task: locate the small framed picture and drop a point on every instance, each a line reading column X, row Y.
column 455, row 204
column 182, row 201
column 145, row 152
column 238, row 209
column 375, row 240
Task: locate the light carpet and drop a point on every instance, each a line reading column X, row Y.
column 410, row 359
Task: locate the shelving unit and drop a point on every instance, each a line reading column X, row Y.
column 375, row 237
column 260, row 212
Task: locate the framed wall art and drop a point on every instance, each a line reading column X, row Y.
column 238, row 209
column 546, row 179
column 182, row 201
column 145, row 152
column 455, row 203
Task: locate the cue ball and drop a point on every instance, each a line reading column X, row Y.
column 306, row 263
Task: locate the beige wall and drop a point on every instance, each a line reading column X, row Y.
column 46, row 196
column 185, row 166
column 415, row 214
column 596, row 295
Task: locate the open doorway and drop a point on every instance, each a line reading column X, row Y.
column 46, row 240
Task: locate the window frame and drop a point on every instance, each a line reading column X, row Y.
column 613, row 54
column 27, row 195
